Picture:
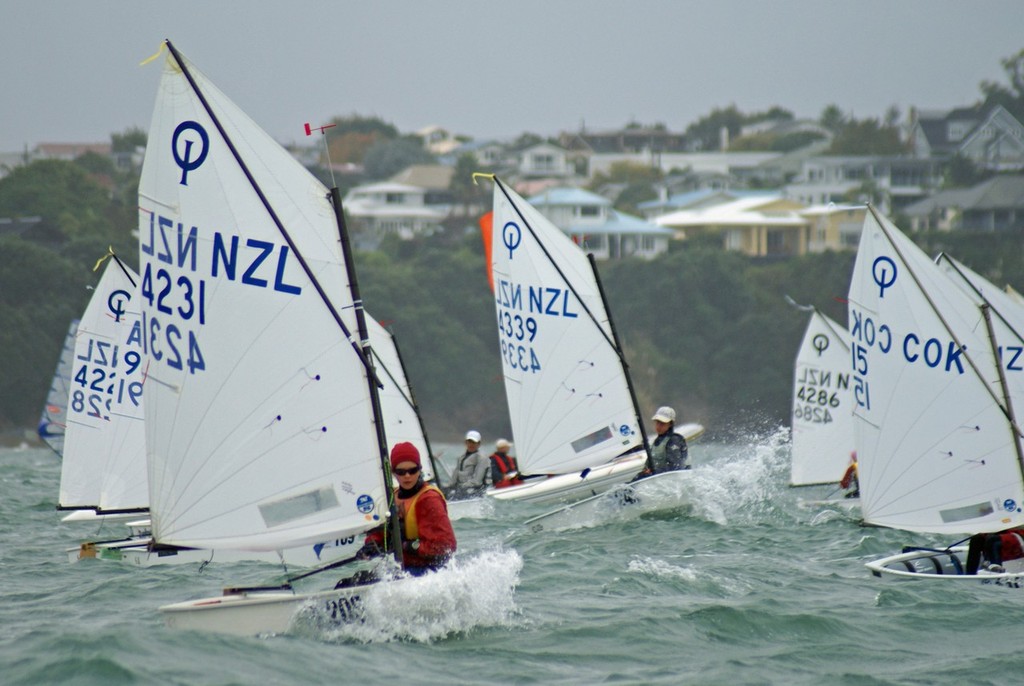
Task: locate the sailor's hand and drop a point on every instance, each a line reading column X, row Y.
column 410, row 546
column 369, row 550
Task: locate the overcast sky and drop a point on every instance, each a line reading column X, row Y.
column 69, row 71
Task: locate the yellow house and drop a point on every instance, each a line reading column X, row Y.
column 834, row 227
column 759, row 226
column 769, row 225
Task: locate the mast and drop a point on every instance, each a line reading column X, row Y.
column 1008, row 410
column 622, row 357
column 945, row 324
column 371, row 376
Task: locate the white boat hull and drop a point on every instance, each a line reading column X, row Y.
column 255, row 613
column 654, row 493
column 945, row 566
column 567, row 487
column 588, row 483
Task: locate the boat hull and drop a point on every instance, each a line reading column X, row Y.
column 255, row 613
column 944, row 566
column 566, row 487
column 660, row 491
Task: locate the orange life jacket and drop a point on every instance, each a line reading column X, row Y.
column 506, row 464
column 407, row 511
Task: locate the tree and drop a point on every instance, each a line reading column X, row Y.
column 388, row 157
column 1011, row 98
column 832, row 118
column 128, row 141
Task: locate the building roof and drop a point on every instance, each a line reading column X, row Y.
column 620, row 223
column 435, row 177
column 740, row 212
column 999, row 192
column 568, row 196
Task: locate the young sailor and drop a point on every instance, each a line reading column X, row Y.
column 428, row 541
column 504, row 468
column 669, row 451
column 470, row 476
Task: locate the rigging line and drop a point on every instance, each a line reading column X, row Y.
column 269, row 208
column 555, row 265
column 622, row 361
column 942, row 319
column 956, row 267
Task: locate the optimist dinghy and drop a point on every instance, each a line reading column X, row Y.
column 935, row 394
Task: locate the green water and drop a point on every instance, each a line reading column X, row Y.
column 735, row 585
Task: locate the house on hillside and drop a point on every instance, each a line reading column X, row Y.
column 996, row 205
column 401, row 209
column 759, row 226
column 438, row 141
column 834, row 227
column 992, row 139
column 693, row 200
column 591, row 221
column 889, row 182
column 544, row 160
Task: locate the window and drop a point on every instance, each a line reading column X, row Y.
column 588, row 211
column 543, row 162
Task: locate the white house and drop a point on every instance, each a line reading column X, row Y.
column 544, row 159
column 591, row 222
column 394, row 208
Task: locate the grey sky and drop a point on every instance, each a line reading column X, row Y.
column 69, row 71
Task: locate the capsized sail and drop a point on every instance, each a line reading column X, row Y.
column 937, row 448
column 104, row 446
column 54, row 418
column 260, row 430
column 822, row 417
column 569, row 401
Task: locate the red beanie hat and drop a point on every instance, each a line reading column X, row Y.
column 404, row 452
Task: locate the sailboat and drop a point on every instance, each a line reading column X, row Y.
column 263, row 417
column 575, row 418
column 104, row 407
column 934, row 394
column 822, row 419
column 53, row 420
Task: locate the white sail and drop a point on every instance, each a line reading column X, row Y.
column 568, row 397
column 976, row 286
column 935, row 448
column 401, row 417
column 54, row 418
column 822, row 417
column 260, row 430
column 105, row 408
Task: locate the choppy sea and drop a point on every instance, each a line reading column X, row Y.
column 737, row 583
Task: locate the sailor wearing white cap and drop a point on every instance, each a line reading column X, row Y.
column 470, row 476
column 669, row 451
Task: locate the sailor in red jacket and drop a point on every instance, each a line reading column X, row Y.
column 427, row 537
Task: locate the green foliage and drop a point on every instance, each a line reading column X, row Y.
column 386, row 158
column 40, row 293
column 69, row 201
column 706, row 130
column 867, row 137
column 128, row 140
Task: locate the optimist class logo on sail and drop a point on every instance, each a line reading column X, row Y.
column 180, row 259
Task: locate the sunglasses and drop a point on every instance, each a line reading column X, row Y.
column 405, row 472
